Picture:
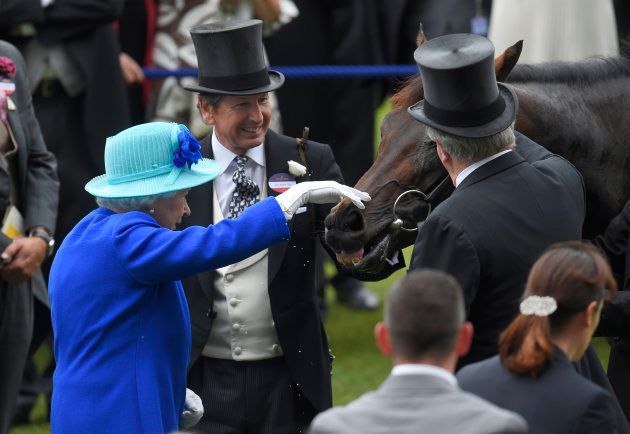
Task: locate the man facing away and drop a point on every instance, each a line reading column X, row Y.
column 260, row 360
column 512, row 199
column 424, row 333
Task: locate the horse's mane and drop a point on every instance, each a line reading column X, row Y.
column 408, row 93
column 581, row 73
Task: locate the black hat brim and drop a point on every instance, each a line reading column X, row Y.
column 276, row 80
column 495, row 126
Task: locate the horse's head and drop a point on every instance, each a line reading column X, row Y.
column 406, row 160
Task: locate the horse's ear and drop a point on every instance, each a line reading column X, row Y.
column 421, row 38
column 505, row 62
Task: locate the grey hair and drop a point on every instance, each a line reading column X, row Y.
column 469, row 150
column 126, row 204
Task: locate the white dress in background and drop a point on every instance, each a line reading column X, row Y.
column 555, row 30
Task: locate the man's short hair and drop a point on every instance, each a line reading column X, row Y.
column 469, row 150
column 214, row 99
column 424, row 314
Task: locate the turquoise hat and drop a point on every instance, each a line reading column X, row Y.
column 152, row 158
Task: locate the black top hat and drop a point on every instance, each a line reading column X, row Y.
column 231, row 59
column 461, row 93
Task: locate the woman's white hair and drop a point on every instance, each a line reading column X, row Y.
column 125, row 204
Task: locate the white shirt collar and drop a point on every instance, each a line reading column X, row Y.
column 223, row 156
column 470, row 169
column 417, row 369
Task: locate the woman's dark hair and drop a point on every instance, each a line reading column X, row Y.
column 575, row 274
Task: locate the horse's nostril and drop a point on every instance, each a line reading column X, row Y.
column 329, row 221
column 353, row 222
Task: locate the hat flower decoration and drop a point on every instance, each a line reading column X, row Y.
column 188, row 150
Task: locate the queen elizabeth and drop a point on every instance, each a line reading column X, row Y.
column 121, row 325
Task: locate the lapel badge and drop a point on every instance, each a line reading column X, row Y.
column 7, row 86
column 281, row 182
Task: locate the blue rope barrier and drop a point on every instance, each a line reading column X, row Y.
column 311, row 71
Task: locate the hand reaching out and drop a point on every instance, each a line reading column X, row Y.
column 318, row 192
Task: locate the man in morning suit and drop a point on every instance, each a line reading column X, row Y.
column 260, row 359
column 28, row 182
column 424, row 333
column 512, row 197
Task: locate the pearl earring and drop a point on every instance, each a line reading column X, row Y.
column 152, row 211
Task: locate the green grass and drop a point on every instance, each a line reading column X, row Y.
column 358, row 365
column 31, row 429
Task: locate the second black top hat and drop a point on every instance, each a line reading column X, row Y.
column 231, row 59
column 461, row 93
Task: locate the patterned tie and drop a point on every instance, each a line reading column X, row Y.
column 246, row 192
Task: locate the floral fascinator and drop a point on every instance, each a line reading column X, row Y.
column 149, row 159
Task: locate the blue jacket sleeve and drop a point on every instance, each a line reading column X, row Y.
column 153, row 254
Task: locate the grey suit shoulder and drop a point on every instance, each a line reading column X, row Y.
column 418, row 404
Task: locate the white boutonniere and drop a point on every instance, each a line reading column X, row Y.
column 296, row 169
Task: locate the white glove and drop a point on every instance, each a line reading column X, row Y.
column 318, row 192
column 193, row 410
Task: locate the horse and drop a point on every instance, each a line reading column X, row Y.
column 574, row 109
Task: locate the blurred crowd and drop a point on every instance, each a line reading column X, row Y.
column 81, row 81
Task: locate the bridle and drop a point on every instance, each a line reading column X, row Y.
column 398, row 223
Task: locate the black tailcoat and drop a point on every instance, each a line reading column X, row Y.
column 493, row 227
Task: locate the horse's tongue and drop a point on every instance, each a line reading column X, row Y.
column 350, row 258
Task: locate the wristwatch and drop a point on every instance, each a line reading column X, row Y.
column 50, row 241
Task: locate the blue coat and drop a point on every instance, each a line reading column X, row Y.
column 120, row 318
